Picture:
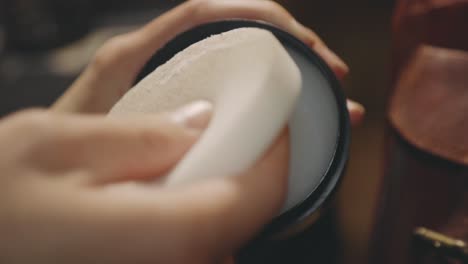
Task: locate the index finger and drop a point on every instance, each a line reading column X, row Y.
column 118, row 62
column 204, row 11
column 198, row 223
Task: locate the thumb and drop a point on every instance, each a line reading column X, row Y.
column 122, row 148
column 164, row 140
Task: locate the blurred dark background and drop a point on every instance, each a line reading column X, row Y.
column 44, row 44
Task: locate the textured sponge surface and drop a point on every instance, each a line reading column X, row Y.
column 252, row 82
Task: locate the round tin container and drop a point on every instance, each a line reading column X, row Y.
column 319, row 127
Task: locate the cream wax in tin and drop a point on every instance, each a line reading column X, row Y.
column 319, row 126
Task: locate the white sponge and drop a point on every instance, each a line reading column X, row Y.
column 253, row 84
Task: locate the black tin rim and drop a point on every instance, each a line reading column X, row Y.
column 331, row 178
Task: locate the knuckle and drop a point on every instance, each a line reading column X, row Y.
column 31, row 131
column 199, row 8
column 152, row 139
column 30, row 119
column 200, row 3
column 164, row 138
column 113, row 52
column 275, row 8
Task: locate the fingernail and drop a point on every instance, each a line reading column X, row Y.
column 195, row 115
column 355, row 106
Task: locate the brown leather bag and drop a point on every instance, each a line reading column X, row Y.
column 426, row 178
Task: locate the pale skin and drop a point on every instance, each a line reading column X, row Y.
column 74, row 183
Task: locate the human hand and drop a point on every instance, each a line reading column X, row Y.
column 71, row 191
column 117, row 63
column 68, row 191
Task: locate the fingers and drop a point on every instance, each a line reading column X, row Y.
column 199, row 223
column 232, row 210
column 272, row 12
column 205, row 11
column 309, row 37
column 205, row 222
column 118, row 62
column 113, row 149
column 106, row 79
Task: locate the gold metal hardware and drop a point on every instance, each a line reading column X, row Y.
column 442, row 244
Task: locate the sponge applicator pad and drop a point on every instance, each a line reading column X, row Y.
column 253, row 84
